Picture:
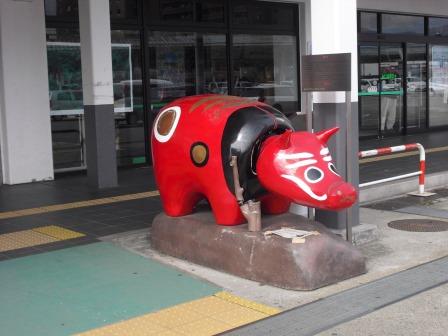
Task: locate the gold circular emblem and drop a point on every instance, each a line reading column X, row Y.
column 166, row 122
column 199, row 154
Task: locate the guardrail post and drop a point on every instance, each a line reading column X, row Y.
column 403, row 148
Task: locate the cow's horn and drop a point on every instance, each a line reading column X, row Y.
column 284, row 140
column 324, row 135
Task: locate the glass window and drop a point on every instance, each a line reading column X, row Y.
column 123, row 9
column 128, row 97
column 183, row 64
column 265, row 68
column 61, row 8
column 402, row 24
column 210, row 11
column 176, row 10
column 438, row 85
column 368, row 22
column 187, row 11
column 263, row 14
column 65, row 95
column 66, row 98
column 438, row 27
column 416, row 85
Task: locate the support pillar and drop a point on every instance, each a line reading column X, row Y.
column 25, row 129
column 97, row 82
column 333, row 29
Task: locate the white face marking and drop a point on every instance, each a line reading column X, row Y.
column 295, row 156
column 302, row 185
column 332, row 168
column 299, row 164
column 324, row 151
column 303, row 159
column 328, row 158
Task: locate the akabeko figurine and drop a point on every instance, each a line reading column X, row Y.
column 239, row 153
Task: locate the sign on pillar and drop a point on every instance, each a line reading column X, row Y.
column 331, row 73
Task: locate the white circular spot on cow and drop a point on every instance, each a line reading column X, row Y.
column 166, row 123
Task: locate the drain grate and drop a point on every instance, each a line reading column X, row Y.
column 419, row 225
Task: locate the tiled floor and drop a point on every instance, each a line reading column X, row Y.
column 93, row 221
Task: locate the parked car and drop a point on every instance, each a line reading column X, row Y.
column 66, row 100
column 415, row 84
column 369, row 85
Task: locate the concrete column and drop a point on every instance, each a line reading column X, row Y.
column 332, row 29
column 97, row 82
column 25, row 129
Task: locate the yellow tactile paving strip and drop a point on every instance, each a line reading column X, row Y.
column 73, row 205
column 58, row 232
column 34, row 237
column 207, row 316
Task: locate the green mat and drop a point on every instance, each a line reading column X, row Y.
column 84, row 287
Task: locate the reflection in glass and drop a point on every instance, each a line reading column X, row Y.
column 391, row 75
column 61, row 8
column 416, row 85
column 368, row 90
column 123, row 9
column 186, row 11
column 265, row 68
column 438, row 85
column 368, row 22
column 183, row 64
column 262, row 14
column 210, row 11
column 438, row 26
column 65, row 96
column 402, row 24
column 128, row 97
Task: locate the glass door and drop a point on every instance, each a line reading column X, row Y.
column 369, row 94
column 185, row 64
column 391, row 89
column 416, row 87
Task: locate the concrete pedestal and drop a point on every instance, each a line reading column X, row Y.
column 322, row 260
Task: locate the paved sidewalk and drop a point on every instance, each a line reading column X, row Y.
column 35, row 224
column 423, row 314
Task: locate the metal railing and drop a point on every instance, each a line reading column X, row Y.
column 397, row 149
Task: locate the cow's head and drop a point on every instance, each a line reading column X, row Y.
column 298, row 165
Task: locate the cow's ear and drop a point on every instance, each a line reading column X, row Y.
column 325, row 135
column 285, row 139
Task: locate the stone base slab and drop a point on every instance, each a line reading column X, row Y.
column 322, row 260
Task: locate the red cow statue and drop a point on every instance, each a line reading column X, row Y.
column 195, row 138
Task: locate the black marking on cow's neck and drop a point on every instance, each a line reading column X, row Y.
column 245, row 131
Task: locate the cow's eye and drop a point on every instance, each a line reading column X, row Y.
column 332, row 167
column 314, row 174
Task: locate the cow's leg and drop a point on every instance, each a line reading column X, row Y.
column 274, row 204
column 178, row 200
column 225, row 208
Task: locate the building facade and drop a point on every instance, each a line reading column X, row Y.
column 163, row 49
